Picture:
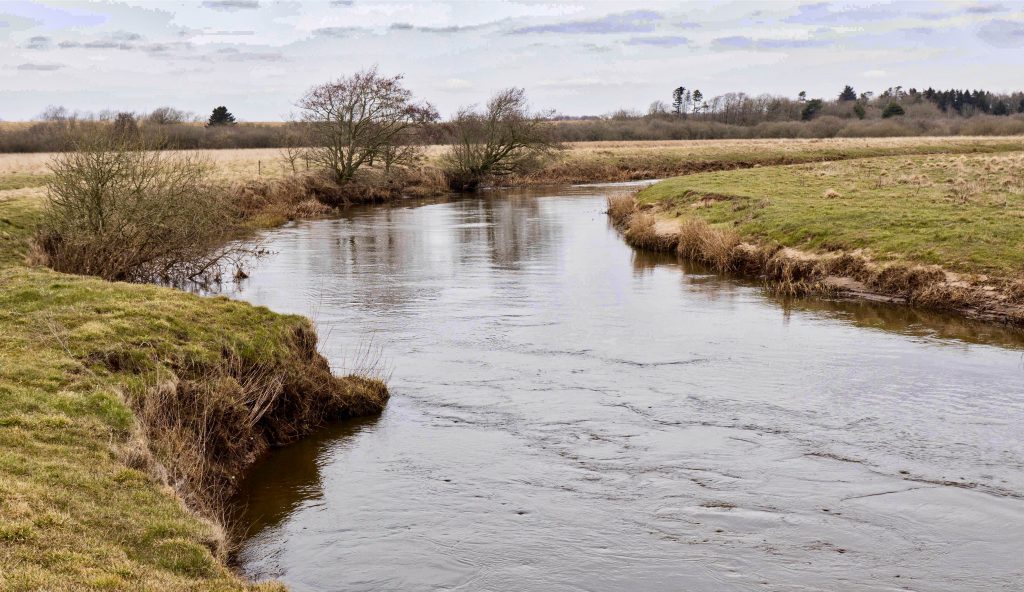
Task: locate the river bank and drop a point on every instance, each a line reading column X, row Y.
column 127, row 414
column 939, row 232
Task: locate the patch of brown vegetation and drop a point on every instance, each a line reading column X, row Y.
column 791, row 273
column 198, row 427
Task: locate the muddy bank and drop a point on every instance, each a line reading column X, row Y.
column 791, row 272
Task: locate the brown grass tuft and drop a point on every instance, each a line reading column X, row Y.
column 620, row 208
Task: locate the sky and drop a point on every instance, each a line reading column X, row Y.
column 258, row 57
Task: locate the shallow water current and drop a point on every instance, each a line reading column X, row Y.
column 569, row 414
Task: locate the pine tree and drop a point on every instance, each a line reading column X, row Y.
column 221, row 116
column 848, row 94
column 697, row 97
column 677, row 100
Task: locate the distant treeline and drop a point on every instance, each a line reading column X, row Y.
column 690, row 116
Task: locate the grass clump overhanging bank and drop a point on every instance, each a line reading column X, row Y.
column 128, row 411
column 934, row 231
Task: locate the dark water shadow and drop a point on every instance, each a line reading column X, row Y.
column 287, row 477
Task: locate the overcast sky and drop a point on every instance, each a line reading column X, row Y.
column 258, row 56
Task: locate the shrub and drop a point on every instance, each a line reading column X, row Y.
column 893, row 110
column 121, row 211
column 503, row 140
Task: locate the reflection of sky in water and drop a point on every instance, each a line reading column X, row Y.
column 569, row 414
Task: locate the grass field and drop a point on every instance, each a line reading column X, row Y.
column 962, row 212
column 592, row 161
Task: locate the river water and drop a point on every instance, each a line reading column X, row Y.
column 568, row 414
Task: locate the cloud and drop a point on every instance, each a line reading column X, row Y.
column 984, row 8
column 232, row 54
column 826, row 13
column 875, row 74
column 743, row 42
column 456, row 84
column 37, row 42
column 636, row 21
column 426, row 29
column 107, row 44
column 733, row 42
column 231, row 5
column 1003, row 34
column 337, row 31
column 663, row 41
column 41, row 67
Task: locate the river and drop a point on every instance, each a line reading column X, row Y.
column 569, row 414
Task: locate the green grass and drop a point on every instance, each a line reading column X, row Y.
column 72, row 512
column 22, row 181
column 904, row 208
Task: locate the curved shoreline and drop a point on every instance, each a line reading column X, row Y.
column 792, row 272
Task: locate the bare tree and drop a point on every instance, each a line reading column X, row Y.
column 168, row 116
column 506, row 138
column 294, row 142
column 355, row 119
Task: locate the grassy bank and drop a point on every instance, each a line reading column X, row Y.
column 127, row 412
column 936, row 230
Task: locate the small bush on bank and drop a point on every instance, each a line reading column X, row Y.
column 122, row 211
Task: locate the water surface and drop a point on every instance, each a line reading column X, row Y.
column 568, row 414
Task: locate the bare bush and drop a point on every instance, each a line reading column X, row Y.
column 505, row 139
column 122, row 211
column 168, row 116
column 357, row 118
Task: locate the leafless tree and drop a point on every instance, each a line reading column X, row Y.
column 506, row 138
column 168, row 116
column 294, row 145
column 355, row 119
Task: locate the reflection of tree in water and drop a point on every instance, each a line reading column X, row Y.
column 512, row 228
column 290, row 476
column 413, row 252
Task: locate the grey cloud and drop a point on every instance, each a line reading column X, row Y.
column 635, row 21
column 825, row 13
column 663, row 41
column 736, row 42
column 126, row 36
column 1004, row 34
column 425, row 29
column 41, row 67
column 95, row 45
column 337, row 31
column 741, row 42
column 341, row 2
column 985, row 8
column 37, row 42
column 231, row 4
